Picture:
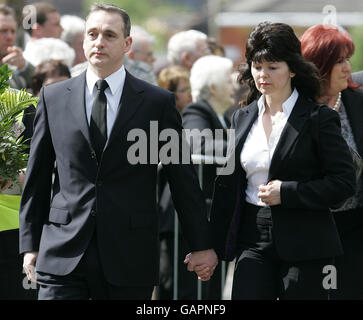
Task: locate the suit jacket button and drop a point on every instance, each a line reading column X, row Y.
column 93, row 155
column 93, row 213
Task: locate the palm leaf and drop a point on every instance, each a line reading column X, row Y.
column 13, row 102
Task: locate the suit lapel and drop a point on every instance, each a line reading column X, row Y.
column 243, row 124
column 130, row 102
column 76, row 103
column 293, row 127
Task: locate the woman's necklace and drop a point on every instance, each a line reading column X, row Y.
column 337, row 103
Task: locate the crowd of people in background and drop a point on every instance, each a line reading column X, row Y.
column 204, row 82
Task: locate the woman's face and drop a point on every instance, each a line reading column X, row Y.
column 272, row 78
column 339, row 76
column 182, row 94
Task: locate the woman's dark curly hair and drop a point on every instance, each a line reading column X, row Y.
column 278, row 42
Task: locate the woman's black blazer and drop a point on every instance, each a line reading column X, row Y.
column 315, row 166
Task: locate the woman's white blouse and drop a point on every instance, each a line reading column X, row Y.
column 257, row 152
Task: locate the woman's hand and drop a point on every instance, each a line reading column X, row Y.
column 270, row 193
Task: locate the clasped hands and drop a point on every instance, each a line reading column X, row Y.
column 202, row 263
column 270, row 193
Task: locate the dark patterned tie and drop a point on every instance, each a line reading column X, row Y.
column 98, row 124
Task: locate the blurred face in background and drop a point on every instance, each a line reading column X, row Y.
column 7, row 33
column 77, row 45
column 144, row 53
column 52, row 27
column 183, row 95
column 201, row 51
column 223, row 91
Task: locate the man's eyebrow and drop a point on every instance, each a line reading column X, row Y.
column 103, row 31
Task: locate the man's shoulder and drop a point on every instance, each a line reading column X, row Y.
column 63, row 85
column 147, row 87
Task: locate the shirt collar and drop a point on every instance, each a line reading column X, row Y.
column 287, row 106
column 115, row 80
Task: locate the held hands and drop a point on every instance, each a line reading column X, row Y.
column 202, row 262
column 270, row 193
column 29, row 265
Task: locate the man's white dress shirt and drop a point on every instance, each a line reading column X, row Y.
column 113, row 94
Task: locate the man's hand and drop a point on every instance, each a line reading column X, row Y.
column 29, row 264
column 270, row 193
column 14, row 57
column 202, row 262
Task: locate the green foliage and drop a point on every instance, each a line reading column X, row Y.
column 140, row 10
column 357, row 58
column 12, row 104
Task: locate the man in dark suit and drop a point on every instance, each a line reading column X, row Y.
column 11, row 54
column 93, row 232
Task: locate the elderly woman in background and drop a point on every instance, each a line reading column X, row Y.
column 330, row 48
column 213, row 91
column 291, row 165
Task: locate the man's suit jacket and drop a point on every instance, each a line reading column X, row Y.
column 113, row 198
column 315, row 166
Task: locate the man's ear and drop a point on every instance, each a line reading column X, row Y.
column 186, row 60
column 212, row 89
column 128, row 42
column 36, row 28
column 131, row 54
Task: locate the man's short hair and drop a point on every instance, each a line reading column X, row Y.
column 139, row 35
column 114, row 9
column 42, row 9
column 7, row 11
column 184, row 41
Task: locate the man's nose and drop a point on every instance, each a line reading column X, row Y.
column 9, row 35
column 99, row 41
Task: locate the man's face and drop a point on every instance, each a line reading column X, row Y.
column 105, row 44
column 52, row 27
column 145, row 53
column 7, row 33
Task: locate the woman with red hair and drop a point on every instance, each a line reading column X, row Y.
column 330, row 48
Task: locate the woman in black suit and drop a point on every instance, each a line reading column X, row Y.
column 273, row 213
column 330, row 49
